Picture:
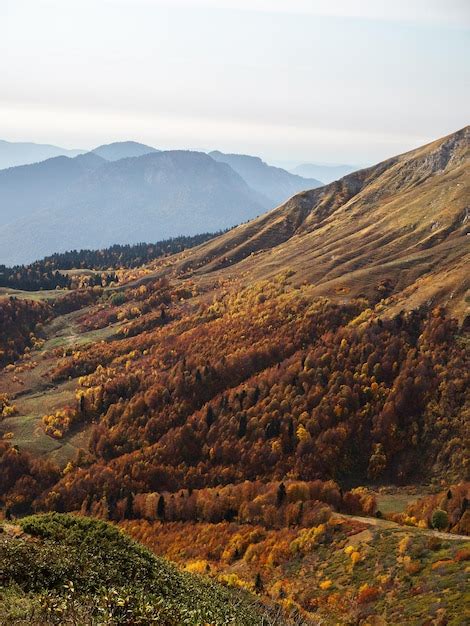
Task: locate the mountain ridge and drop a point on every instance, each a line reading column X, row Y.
column 13, row 153
column 156, row 195
column 122, row 150
column 359, row 223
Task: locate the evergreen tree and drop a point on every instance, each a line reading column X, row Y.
column 281, row 494
column 210, row 417
column 129, row 510
column 242, row 426
column 161, row 507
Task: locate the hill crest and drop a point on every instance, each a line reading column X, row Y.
column 122, row 150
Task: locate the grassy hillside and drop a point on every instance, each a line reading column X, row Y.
column 61, row 569
column 396, row 231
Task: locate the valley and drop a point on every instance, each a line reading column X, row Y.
column 235, row 313
column 282, row 407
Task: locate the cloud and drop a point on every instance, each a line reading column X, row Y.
column 449, row 12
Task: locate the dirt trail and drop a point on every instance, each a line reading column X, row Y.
column 387, row 524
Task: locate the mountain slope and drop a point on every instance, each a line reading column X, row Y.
column 63, row 203
column 13, row 154
column 383, row 230
column 274, row 183
column 122, row 150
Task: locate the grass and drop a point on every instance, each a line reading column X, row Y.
column 396, row 502
column 26, row 430
column 339, row 239
column 47, row 294
column 409, row 598
column 29, row 435
column 81, row 338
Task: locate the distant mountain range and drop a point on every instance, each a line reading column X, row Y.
column 324, row 173
column 122, row 150
column 274, row 183
column 128, row 192
column 22, row 153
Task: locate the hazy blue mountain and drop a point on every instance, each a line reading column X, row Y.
column 274, row 183
column 127, row 192
column 325, row 173
column 122, row 150
column 15, row 153
column 63, row 203
column 27, row 188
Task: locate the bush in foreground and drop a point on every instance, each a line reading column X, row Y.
column 65, row 569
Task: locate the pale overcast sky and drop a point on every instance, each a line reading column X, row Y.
column 346, row 81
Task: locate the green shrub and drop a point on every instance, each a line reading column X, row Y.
column 439, row 519
column 118, row 298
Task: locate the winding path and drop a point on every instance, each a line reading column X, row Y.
column 387, row 524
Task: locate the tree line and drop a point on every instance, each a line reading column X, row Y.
column 50, row 272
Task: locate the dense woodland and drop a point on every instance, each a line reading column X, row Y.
column 330, row 392
column 264, row 384
column 22, row 478
column 51, row 272
column 19, row 320
column 272, row 505
column 231, row 433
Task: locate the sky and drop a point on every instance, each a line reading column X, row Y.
column 330, row 81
